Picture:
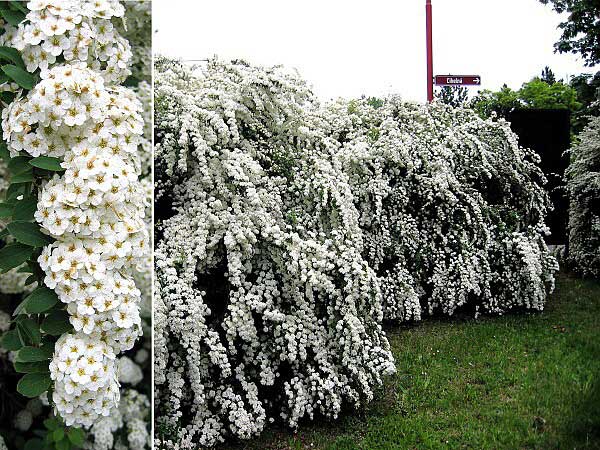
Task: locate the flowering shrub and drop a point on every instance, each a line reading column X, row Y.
column 264, row 308
column 584, row 212
column 451, row 207
column 73, row 140
column 286, row 229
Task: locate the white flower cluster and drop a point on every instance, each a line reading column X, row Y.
column 264, row 308
column 128, row 371
column 4, row 321
column 95, row 209
column 584, row 213
column 126, row 428
column 86, row 386
column 452, row 209
column 74, row 31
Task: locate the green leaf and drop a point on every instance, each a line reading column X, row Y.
column 23, row 177
column 31, row 367
column 51, row 423
column 14, row 190
column 25, row 209
column 24, row 268
column 18, row 164
column 19, row 5
column 20, row 76
column 13, row 255
column 48, row 347
column 20, row 309
column 63, row 445
column 58, row 434
column 34, row 384
column 10, row 341
column 40, row 300
column 34, row 444
column 6, row 210
column 31, row 354
column 57, row 323
column 76, row 436
column 29, row 331
column 12, row 55
column 4, row 153
column 13, row 17
column 28, row 233
column 30, row 280
column 47, row 163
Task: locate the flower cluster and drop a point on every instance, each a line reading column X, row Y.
column 71, row 113
column 584, row 213
column 73, row 31
column 84, row 372
column 131, row 417
column 95, row 208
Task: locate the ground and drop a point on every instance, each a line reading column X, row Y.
column 529, row 381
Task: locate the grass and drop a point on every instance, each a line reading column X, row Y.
column 527, row 381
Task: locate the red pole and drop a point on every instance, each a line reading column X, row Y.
column 429, row 51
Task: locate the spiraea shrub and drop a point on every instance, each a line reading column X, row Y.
column 452, row 209
column 584, row 191
column 264, row 307
column 287, row 230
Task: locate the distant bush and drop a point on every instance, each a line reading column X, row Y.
column 584, row 192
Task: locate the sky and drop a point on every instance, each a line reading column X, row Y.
column 349, row 48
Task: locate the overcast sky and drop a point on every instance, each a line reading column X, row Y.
column 349, row 48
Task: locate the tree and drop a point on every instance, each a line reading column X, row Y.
column 535, row 94
column 538, row 94
column 453, row 95
column 587, row 87
column 501, row 102
column 581, row 30
column 548, row 76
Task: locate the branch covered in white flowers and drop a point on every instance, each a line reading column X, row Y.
column 584, row 192
column 77, row 136
column 288, row 230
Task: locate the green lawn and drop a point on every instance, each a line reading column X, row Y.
column 513, row 382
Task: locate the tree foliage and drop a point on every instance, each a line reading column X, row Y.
column 581, row 30
column 535, row 94
column 453, row 95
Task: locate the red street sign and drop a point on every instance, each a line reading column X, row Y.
column 457, row 80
